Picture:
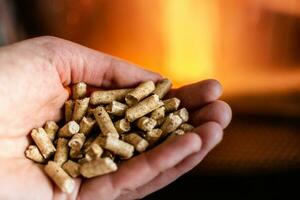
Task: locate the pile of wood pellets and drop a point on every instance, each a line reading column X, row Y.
column 104, row 129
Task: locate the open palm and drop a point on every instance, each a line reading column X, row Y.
column 34, row 76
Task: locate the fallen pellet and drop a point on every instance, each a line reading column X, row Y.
column 32, row 152
column 60, row 177
column 139, row 143
column 62, row 151
column 140, row 92
column 79, row 90
column 116, row 108
column 107, row 96
column 51, row 128
column 105, row 123
column 162, row 88
column 69, row 129
column 72, row 168
column 171, row 104
column 69, row 106
column 146, row 123
column 97, row 167
column 43, row 142
column 80, row 108
column 143, row 108
column 86, row 125
column 122, row 126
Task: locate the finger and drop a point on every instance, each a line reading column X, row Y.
column 198, row 94
column 211, row 134
column 143, row 168
column 77, row 63
column 217, row 111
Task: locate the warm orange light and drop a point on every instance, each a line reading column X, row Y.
column 189, row 36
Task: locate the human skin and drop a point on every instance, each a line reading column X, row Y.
column 34, row 75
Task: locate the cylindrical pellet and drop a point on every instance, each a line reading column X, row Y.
column 77, row 141
column 43, row 142
column 143, row 108
column 62, row 151
column 116, row 146
column 32, row 152
column 72, row 168
column 162, row 88
column 106, row 125
column 122, row 126
column 146, row 123
column 69, row 106
column 153, row 136
column 93, row 151
column 79, row 90
column 51, row 128
column 80, row 108
column 86, row 125
column 158, row 115
column 69, row 129
column 171, row 104
column 139, row 143
column 186, row 127
column 116, row 108
column 60, row 177
column 107, row 96
column 183, row 114
column 140, row 92
column 97, row 167
column 171, row 123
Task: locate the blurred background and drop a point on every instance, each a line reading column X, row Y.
column 251, row 46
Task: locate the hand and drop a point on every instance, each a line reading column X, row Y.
column 34, row 76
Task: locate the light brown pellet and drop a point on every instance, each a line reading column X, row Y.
column 51, row 128
column 32, row 152
column 79, row 90
column 122, row 126
column 69, row 107
column 80, row 108
column 86, row 125
column 171, row 123
column 107, row 96
column 98, row 167
column 146, row 123
column 62, row 151
column 162, row 88
column 171, row 104
column 72, row 168
column 158, row 115
column 186, row 127
column 60, row 177
column 139, row 143
column 69, row 129
column 143, row 108
column 105, row 123
column 183, row 114
column 43, row 142
column 140, row 92
column 116, row 108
